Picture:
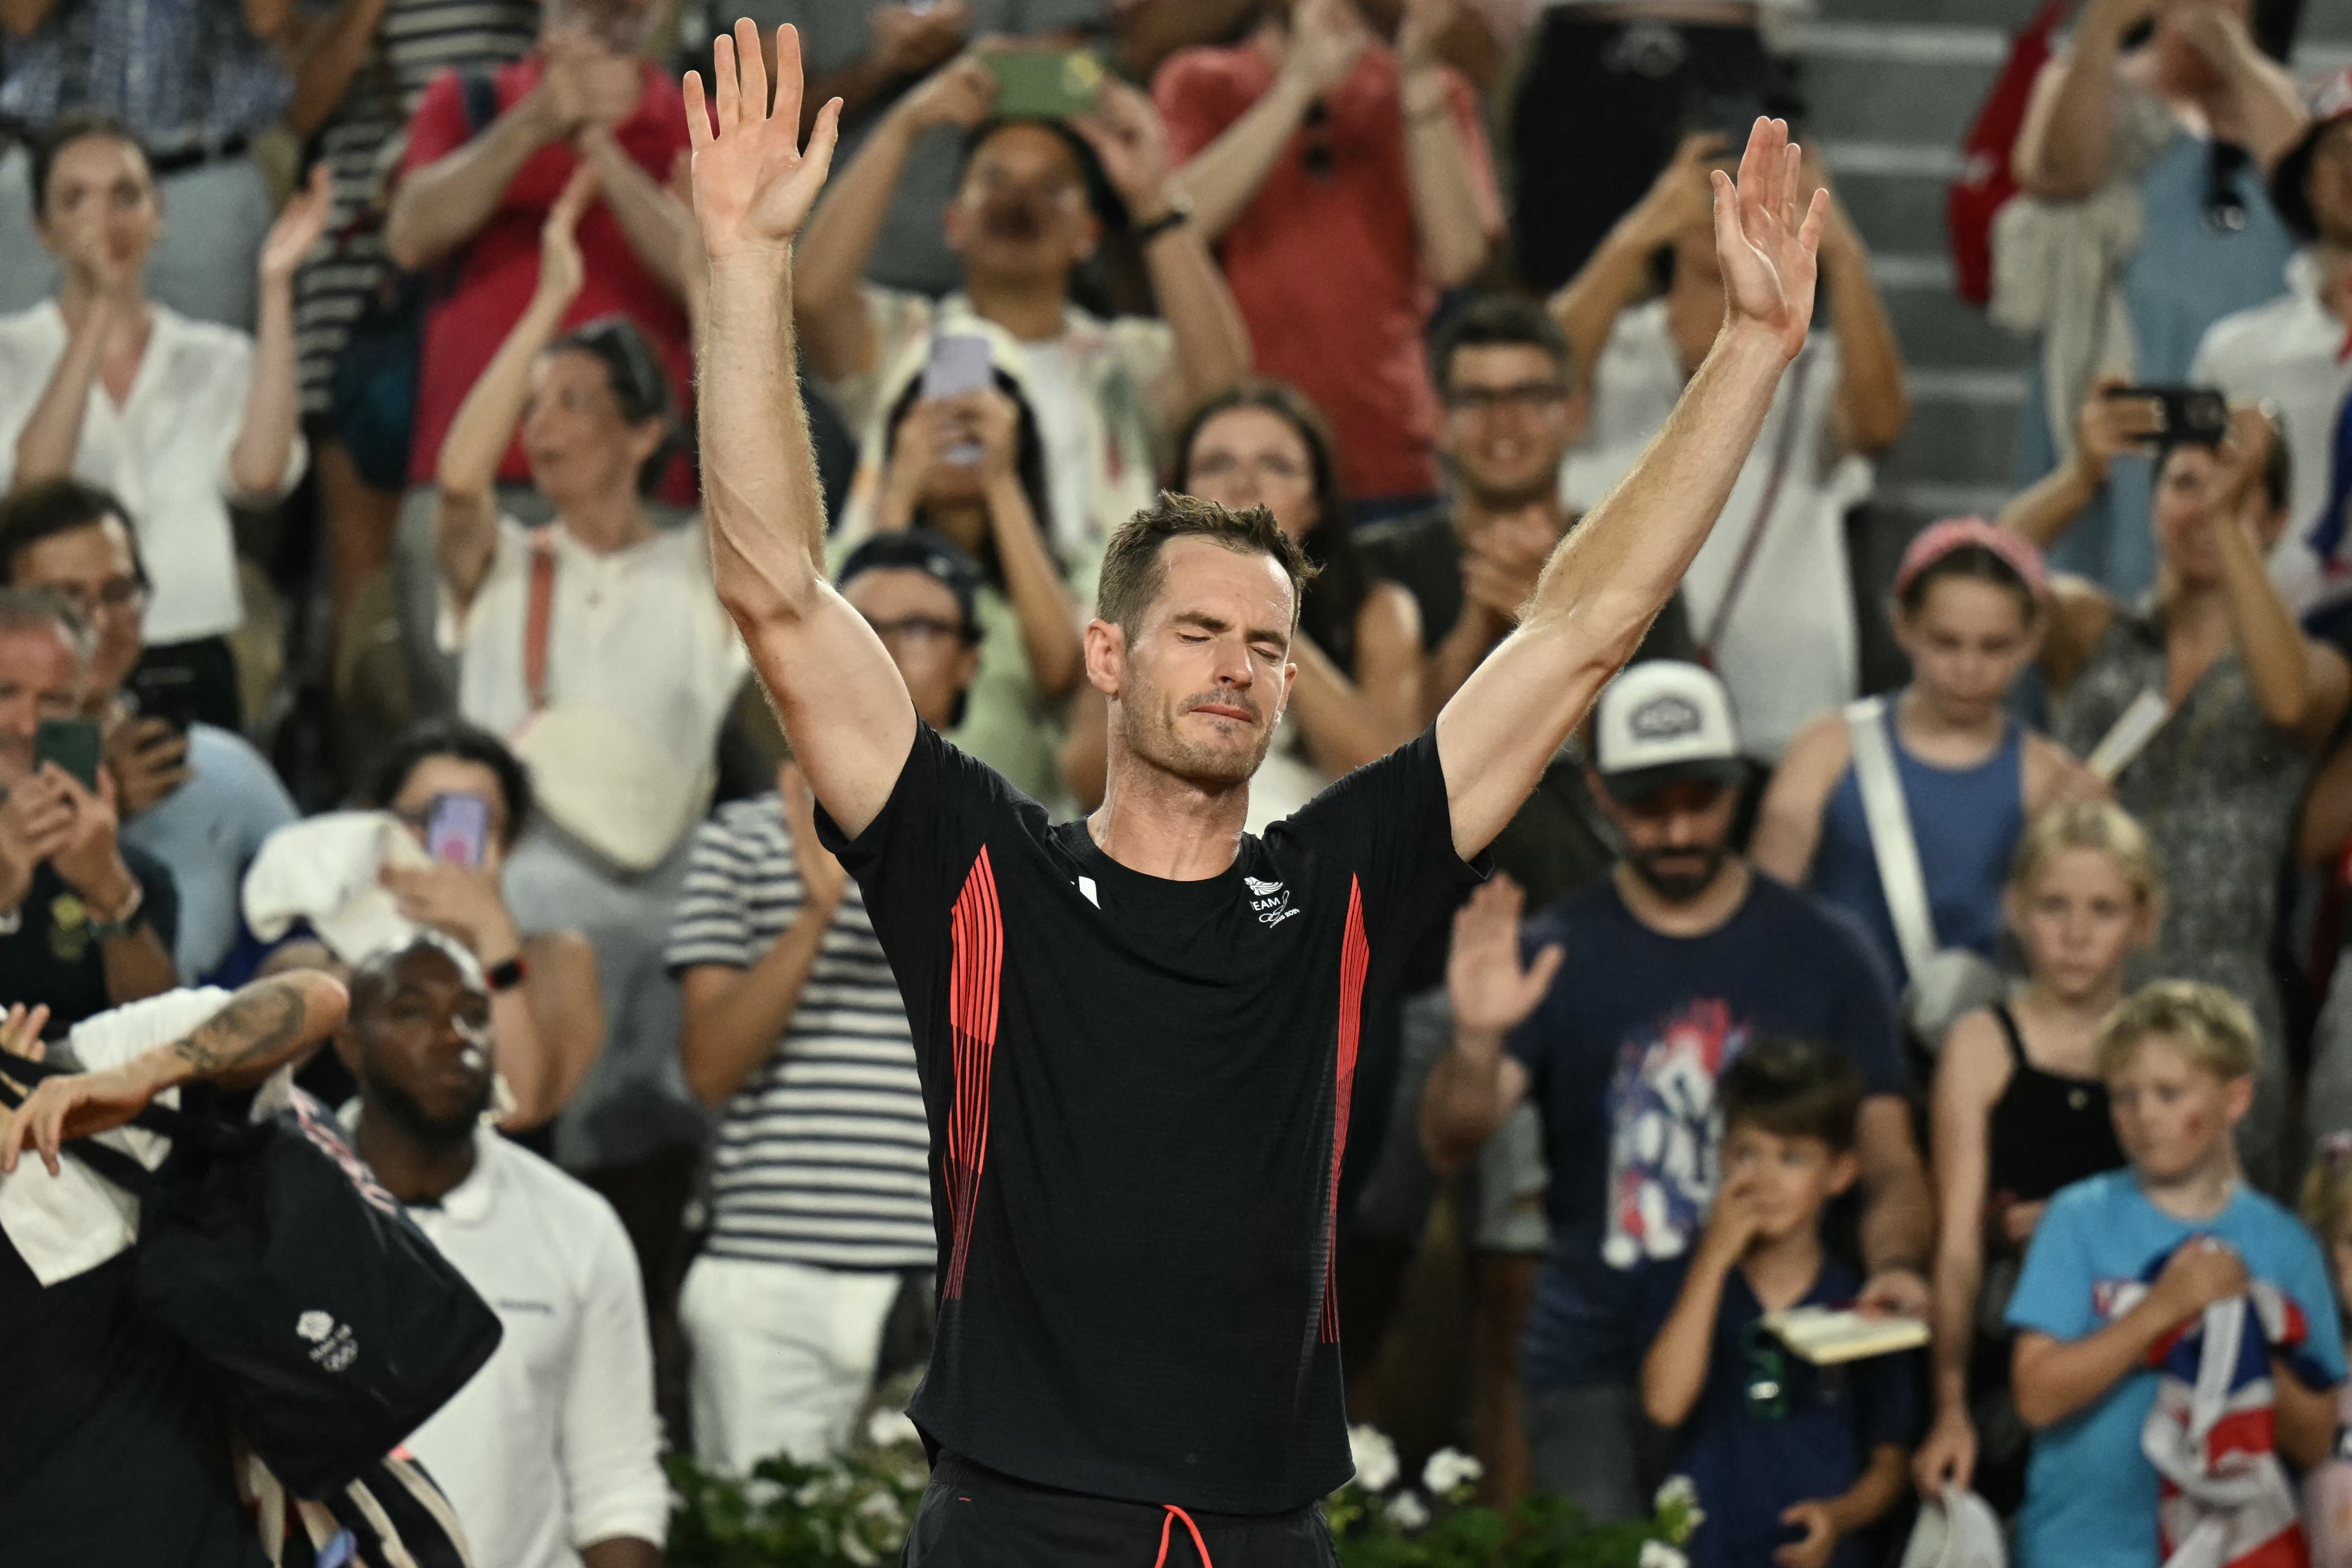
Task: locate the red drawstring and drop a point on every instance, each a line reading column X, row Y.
column 1167, row 1523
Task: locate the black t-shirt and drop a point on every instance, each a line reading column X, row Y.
column 1135, row 1088
column 53, row 956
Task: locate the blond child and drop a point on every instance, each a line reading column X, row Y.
column 2327, row 1488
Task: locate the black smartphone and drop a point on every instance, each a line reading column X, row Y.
column 167, row 692
column 2193, row 415
column 74, row 744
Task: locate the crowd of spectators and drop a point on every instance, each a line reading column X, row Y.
column 355, row 615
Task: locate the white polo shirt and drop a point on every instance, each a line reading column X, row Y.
column 554, row 1445
column 2293, row 352
column 164, row 451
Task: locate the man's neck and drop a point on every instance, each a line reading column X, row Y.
column 410, row 1170
column 1032, row 309
column 1781, row 1270
column 1474, row 514
column 1152, row 822
column 2201, row 1193
column 1700, row 916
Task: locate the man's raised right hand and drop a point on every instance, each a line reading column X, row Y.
column 753, row 184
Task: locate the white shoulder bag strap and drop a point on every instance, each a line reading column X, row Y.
column 1891, row 840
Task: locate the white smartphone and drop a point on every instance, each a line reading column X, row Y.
column 959, row 362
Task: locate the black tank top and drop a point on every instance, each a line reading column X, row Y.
column 2047, row 1131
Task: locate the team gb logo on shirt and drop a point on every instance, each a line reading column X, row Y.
column 1268, row 901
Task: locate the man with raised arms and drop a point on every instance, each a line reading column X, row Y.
column 1136, row 1033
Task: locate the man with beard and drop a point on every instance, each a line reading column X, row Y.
column 552, row 1455
column 1684, row 956
column 1026, row 215
column 1137, row 1034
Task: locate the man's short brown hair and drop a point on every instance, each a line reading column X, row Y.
column 1133, row 571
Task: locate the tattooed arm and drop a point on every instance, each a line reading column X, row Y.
column 261, row 1028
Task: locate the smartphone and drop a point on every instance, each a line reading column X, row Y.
column 2193, row 415
column 167, row 692
column 959, row 363
column 73, row 744
column 1046, row 84
column 457, row 829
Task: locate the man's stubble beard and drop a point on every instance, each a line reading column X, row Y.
column 1681, row 889
column 1150, row 730
column 405, row 1111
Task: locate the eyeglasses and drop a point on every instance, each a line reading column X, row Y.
column 1224, row 466
column 926, row 632
column 1529, row 395
column 114, row 594
column 1767, row 1387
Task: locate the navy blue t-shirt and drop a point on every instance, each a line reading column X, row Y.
column 1624, row 1054
column 1771, row 1429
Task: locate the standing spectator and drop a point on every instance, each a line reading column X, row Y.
column 2288, row 354
column 1022, row 221
column 585, row 98
column 551, row 1454
column 1686, row 958
column 2326, row 1208
column 2142, row 219
column 2019, row 1112
column 820, row 1191
column 197, row 797
column 176, row 417
column 1770, row 595
column 1611, row 88
column 98, row 1391
column 2248, row 699
column 87, row 922
column 632, row 659
column 1344, row 185
column 360, row 70
column 2125, row 1263
column 1969, row 609
column 194, row 83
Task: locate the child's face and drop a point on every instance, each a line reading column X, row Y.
column 1789, row 1179
column 2079, row 920
column 2173, row 1116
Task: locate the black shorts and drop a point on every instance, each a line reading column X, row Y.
column 973, row 1517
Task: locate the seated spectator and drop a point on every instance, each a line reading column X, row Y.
column 176, row 417
column 1022, row 221
column 99, row 1391
column 197, row 797
column 615, row 695
column 971, row 470
column 2326, row 1208
column 1969, row 602
column 547, row 1013
column 1770, row 595
column 1608, row 91
column 2142, row 219
column 2248, row 700
column 1794, row 1470
column 550, row 1455
column 87, row 922
column 199, row 87
column 1686, row 958
column 820, row 1187
column 586, row 97
column 2121, row 1264
column 1344, row 185
column 2019, row 1113
column 2287, row 354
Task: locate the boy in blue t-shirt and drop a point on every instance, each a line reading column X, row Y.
column 1790, row 1460
column 2108, row 1279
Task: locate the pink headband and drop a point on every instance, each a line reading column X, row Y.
column 1938, row 540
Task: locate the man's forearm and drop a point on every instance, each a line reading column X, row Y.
column 1222, row 178
column 443, row 204
column 265, row 436
column 1460, row 1104
column 766, row 514
column 259, row 1029
column 46, row 446
column 1448, row 217
column 1898, row 1218
column 137, row 965
column 1213, row 341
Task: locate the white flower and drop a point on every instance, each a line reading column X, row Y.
column 1375, row 1456
column 1448, row 1468
column 1407, row 1512
column 1677, row 1492
column 1658, row 1554
column 887, row 1428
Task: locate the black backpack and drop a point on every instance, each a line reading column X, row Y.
column 331, row 1325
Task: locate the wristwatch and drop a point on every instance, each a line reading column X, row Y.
column 1179, row 213
column 123, row 924
column 506, row 976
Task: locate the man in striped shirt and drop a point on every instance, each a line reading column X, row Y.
column 821, row 1194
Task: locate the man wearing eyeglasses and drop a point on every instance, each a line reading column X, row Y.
column 196, row 798
column 820, row 1199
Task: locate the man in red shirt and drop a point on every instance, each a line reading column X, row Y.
column 1344, row 185
column 480, row 193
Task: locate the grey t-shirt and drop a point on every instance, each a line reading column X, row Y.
column 912, row 254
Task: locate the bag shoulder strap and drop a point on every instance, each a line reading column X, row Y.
column 1784, row 452
column 540, row 616
column 1891, row 839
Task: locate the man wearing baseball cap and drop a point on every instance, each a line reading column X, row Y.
column 2295, row 352
column 1682, row 959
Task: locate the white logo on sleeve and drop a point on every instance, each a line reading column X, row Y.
column 334, row 1347
column 1268, row 901
column 314, row 1326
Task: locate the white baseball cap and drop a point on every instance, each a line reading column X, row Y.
column 1664, row 723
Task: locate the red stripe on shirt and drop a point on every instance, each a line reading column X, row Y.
column 973, row 977
column 1355, row 957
